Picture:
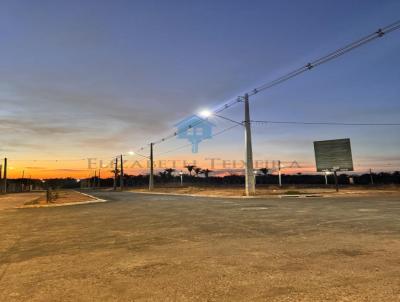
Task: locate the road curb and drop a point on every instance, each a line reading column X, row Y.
column 233, row 197
column 194, row 195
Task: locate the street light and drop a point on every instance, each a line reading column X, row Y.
column 138, row 154
column 250, row 186
column 181, row 175
column 326, row 176
column 151, row 158
column 280, row 166
column 205, row 113
column 256, row 173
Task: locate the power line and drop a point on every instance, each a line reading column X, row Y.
column 325, row 123
column 333, row 55
column 189, row 144
column 310, row 65
column 48, row 160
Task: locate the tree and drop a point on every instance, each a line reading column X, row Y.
column 197, row 170
column 169, row 172
column 206, row 172
column 163, row 175
column 190, row 168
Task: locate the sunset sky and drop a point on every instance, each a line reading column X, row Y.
column 93, row 79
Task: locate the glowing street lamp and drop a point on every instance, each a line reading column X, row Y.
column 181, row 175
column 138, row 154
column 205, row 113
column 151, row 175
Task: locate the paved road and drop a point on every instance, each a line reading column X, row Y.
column 140, row 247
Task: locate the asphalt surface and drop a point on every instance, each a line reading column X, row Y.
column 139, row 247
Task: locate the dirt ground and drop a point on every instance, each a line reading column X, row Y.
column 13, row 200
column 271, row 190
column 19, row 199
column 141, row 247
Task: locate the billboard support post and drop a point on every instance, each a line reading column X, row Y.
column 336, row 181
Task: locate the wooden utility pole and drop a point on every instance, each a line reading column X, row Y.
column 151, row 176
column 115, row 173
column 5, row 175
column 249, row 173
column 89, row 184
column 99, row 181
column 121, row 175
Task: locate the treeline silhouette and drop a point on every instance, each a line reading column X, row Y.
column 171, row 177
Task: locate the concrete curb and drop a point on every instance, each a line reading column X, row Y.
column 194, row 195
column 91, row 196
column 233, row 197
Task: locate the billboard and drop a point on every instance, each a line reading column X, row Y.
column 333, row 155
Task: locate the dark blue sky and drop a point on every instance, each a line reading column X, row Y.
column 83, row 73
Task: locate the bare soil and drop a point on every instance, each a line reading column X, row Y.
column 271, row 190
column 142, row 247
column 14, row 200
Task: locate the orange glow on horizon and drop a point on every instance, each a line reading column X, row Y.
column 83, row 169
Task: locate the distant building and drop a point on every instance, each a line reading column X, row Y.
column 195, row 129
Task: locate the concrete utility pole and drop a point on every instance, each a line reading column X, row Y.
column 115, row 173
column 249, row 173
column 279, row 173
column 370, row 175
column 5, row 175
column 151, row 176
column 121, row 175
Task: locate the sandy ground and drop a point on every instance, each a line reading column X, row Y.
column 139, row 247
column 19, row 199
column 68, row 196
column 14, row 200
column 271, row 190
